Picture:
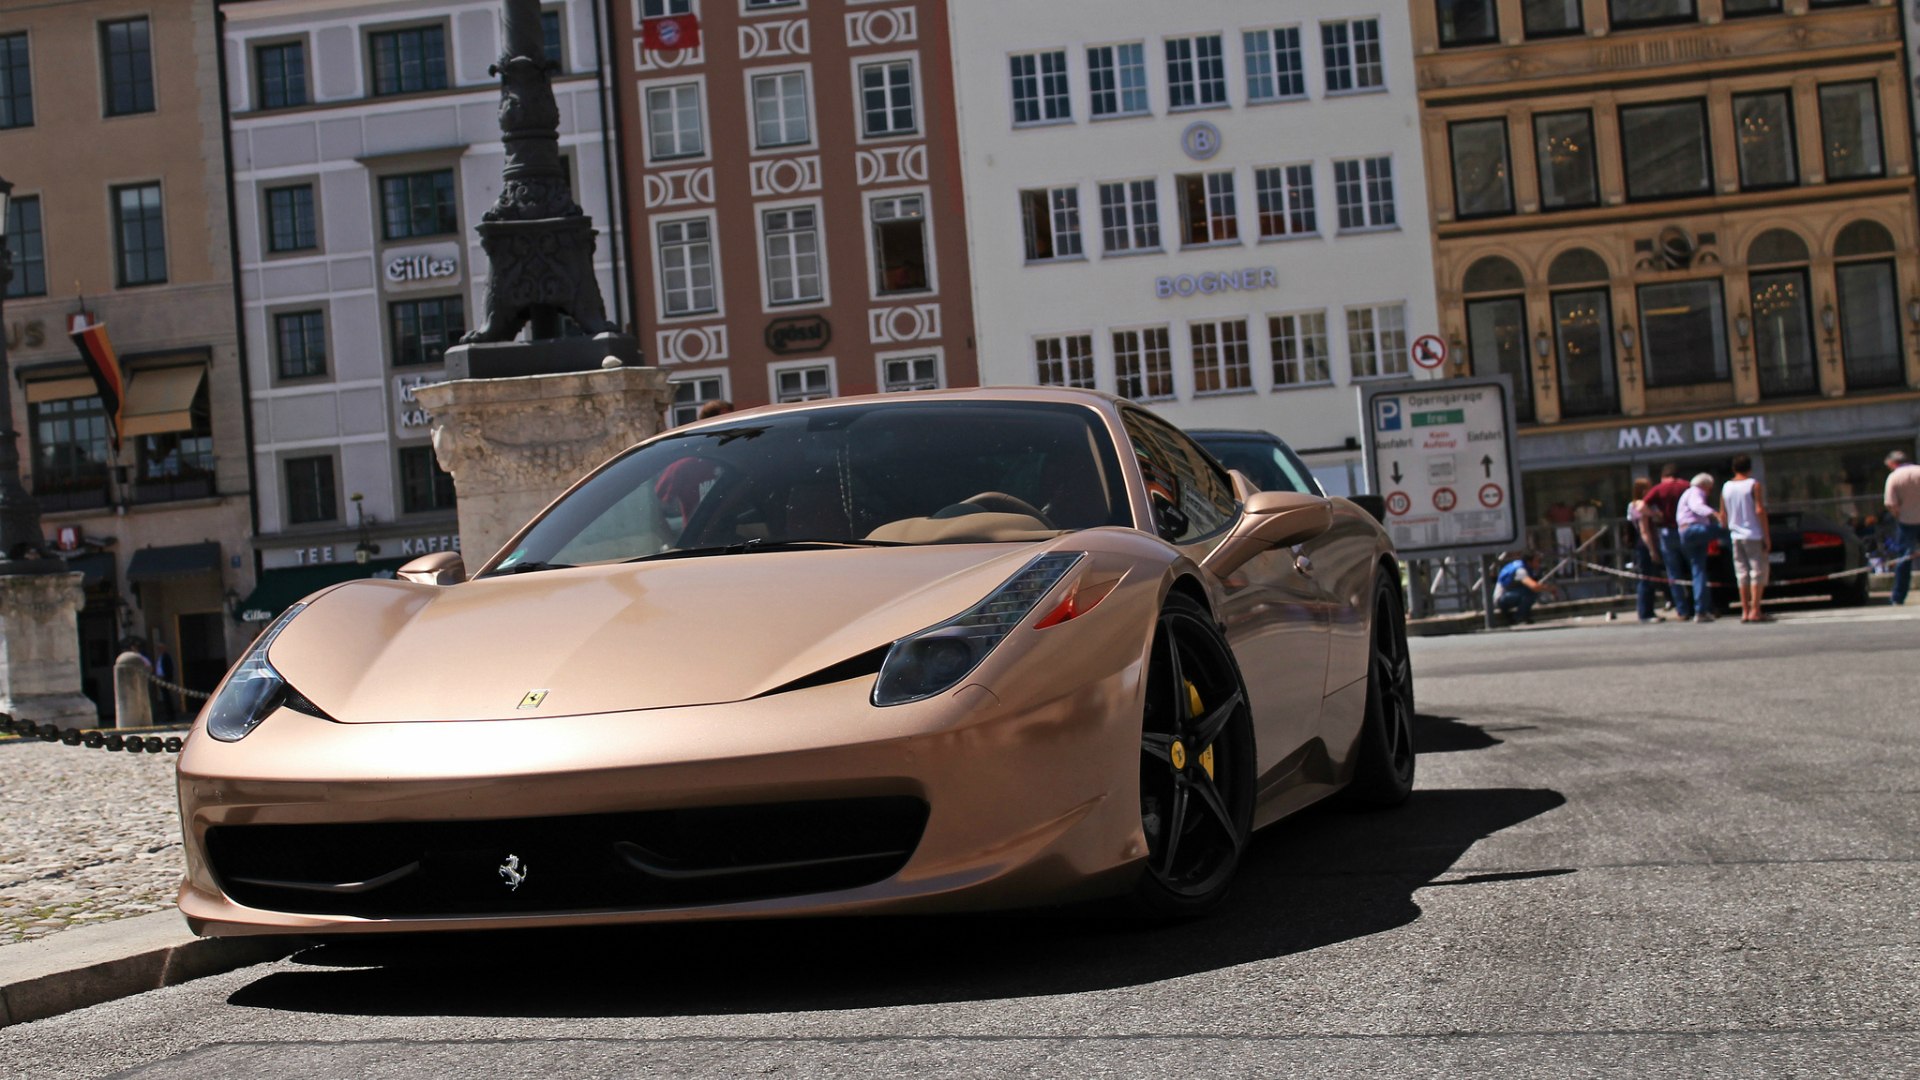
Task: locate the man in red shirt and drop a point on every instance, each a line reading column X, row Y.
column 1660, row 528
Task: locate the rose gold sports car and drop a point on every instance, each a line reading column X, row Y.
column 951, row 650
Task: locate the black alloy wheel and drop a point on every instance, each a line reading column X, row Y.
column 1196, row 764
column 1384, row 774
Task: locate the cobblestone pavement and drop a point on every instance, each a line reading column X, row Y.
column 87, row 836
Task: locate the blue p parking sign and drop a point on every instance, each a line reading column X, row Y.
column 1386, row 414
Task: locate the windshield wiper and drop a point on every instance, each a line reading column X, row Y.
column 747, row 546
column 526, row 568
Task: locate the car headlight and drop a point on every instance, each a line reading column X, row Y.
column 255, row 689
column 933, row 660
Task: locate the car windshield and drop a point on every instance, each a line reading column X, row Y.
column 930, row 472
column 1264, row 462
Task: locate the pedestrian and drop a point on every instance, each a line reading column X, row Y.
column 1903, row 499
column 1518, row 587
column 1646, row 538
column 1743, row 503
column 1699, row 527
column 1664, row 500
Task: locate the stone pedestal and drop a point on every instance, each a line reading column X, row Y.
column 40, row 650
column 512, row 445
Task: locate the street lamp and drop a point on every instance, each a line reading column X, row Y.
column 22, row 548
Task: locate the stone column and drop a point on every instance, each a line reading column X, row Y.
column 512, row 445
column 40, row 650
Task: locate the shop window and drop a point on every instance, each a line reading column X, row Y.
column 424, row 486
column 408, row 61
column 300, row 344
column 16, row 82
column 1377, row 340
column 1683, row 333
column 690, row 393
column 1482, row 181
column 418, row 204
column 1208, row 211
column 1564, row 149
column 886, row 99
column 1130, row 216
column 674, row 126
column 1040, row 87
column 1554, row 498
column 1051, row 219
column 140, row 241
column 1275, row 68
column 1551, row 18
column 1763, row 124
column 71, row 451
column 1299, row 344
column 780, row 113
column 1196, row 72
column 1467, row 22
column 1143, row 364
column 126, row 62
column 793, row 255
column 290, row 220
column 1850, row 131
column 1064, row 361
column 900, row 244
column 1350, row 52
column 1625, row 13
column 280, row 75
column 1117, row 77
column 900, row 374
column 1666, row 149
column 1782, row 323
column 1221, row 364
column 311, row 496
column 1843, row 482
column 423, row 330
column 26, row 242
column 685, row 251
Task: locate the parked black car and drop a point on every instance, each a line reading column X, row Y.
column 1271, row 464
column 1806, row 548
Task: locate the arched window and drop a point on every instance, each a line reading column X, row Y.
column 1497, row 326
column 1577, row 267
column 1782, row 316
column 1867, row 289
column 1583, row 334
column 1777, row 247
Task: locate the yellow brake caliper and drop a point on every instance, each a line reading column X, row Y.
column 1196, row 708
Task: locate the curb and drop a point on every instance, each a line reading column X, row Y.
column 1470, row 622
column 88, row 965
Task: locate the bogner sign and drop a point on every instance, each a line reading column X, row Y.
column 1696, row 432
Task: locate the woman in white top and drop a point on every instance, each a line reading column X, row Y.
column 1743, row 501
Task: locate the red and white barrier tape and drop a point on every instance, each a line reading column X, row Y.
column 1631, row 576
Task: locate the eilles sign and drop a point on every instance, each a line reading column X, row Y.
column 798, row 334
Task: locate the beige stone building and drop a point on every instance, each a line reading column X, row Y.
column 1686, row 229
column 110, row 129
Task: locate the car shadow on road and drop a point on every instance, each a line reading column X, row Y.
column 1444, row 734
column 1318, row 879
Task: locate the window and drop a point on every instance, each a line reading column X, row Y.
column 1143, row 364
column 768, row 5
column 418, row 204
column 1040, row 87
column 1850, row 131
column 1482, row 181
column 1064, row 361
column 1377, row 340
column 654, row 9
column 1683, row 333
column 1763, row 126
column 553, row 38
column 1299, row 349
column 1052, row 220
column 16, row 82
column 1649, row 12
column 1869, row 313
column 1351, row 51
column 1196, row 72
column 674, row 128
column 1117, row 74
column 424, row 329
column 1221, row 364
column 1363, row 191
column 1552, row 18
column 886, row 99
column 1583, row 335
column 71, row 452
column 310, row 490
column 301, row 340
column 1130, row 216
column 690, row 393
column 176, row 464
column 803, row 384
column 1563, row 145
column 904, row 373
column 1497, row 340
column 1181, row 478
column 27, row 244
column 126, row 61
column 290, row 219
column 900, row 244
column 280, row 75
column 780, row 110
column 140, row 239
column 1275, row 70
column 1666, row 149
column 424, row 485
column 1753, row 7
column 1467, row 22
column 1285, row 197
column 1207, row 211
column 686, row 267
column 409, row 61
column 793, row 255
column 1778, row 296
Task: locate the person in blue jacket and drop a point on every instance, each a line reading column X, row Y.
column 1518, row 587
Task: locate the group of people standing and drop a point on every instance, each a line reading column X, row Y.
column 1675, row 526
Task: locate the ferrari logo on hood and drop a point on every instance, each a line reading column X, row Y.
column 533, row 699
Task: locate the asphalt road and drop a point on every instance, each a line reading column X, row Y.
column 1634, row 851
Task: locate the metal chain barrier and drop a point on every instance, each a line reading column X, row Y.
column 144, row 740
column 197, row 695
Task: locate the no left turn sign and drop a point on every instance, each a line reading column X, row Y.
column 1492, row 495
column 1428, row 351
column 1398, row 503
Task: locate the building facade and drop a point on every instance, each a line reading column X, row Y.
column 1687, row 228
column 366, row 146
column 110, row 129
column 791, row 181
column 1216, row 209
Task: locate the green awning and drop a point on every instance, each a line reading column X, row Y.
column 280, row 589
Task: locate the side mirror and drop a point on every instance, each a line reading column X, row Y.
column 439, row 568
column 1270, row 519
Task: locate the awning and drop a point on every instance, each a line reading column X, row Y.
column 179, row 560
column 278, row 590
column 41, row 391
column 160, row 400
column 97, row 567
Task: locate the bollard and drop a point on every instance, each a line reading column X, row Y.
column 132, row 707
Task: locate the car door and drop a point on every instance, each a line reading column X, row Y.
column 1275, row 615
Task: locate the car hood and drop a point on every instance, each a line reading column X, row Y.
column 597, row 639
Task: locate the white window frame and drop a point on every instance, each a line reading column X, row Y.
column 1299, row 337
column 760, row 212
column 1391, row 362
column 1289, row 204
column 1219, row 345
column 748, row 9
column 867, row 199
column 665, row 7
column 1060, row 339
column 1173, row 366
column 1119, row 92
column 699, row 84
column 754, row 75
column 826, row 362
column 698, row 375
column 1041, row 99
column 936, row 354
column 654, row 225
column 1133, row 219
column 1369, row 206
column 1300, row 55
column 1054, row 215
column 1351, row 58
column 858, row 66
column 1209, row 199
column 1192, row 41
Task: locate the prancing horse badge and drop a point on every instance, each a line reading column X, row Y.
column 533, row 699
column 513, row 872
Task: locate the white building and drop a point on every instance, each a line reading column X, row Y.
column 1218, row 208
column 366, row 146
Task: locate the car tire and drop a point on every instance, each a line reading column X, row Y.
column 1197, row 769
column 1855, row 594
column 1383, row 774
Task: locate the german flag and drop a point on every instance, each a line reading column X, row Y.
column 104, row 365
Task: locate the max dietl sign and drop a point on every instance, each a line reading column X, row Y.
column 420, row 267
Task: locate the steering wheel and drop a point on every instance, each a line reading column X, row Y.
column 1002, row 503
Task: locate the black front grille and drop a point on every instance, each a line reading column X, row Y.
column 659, row 858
